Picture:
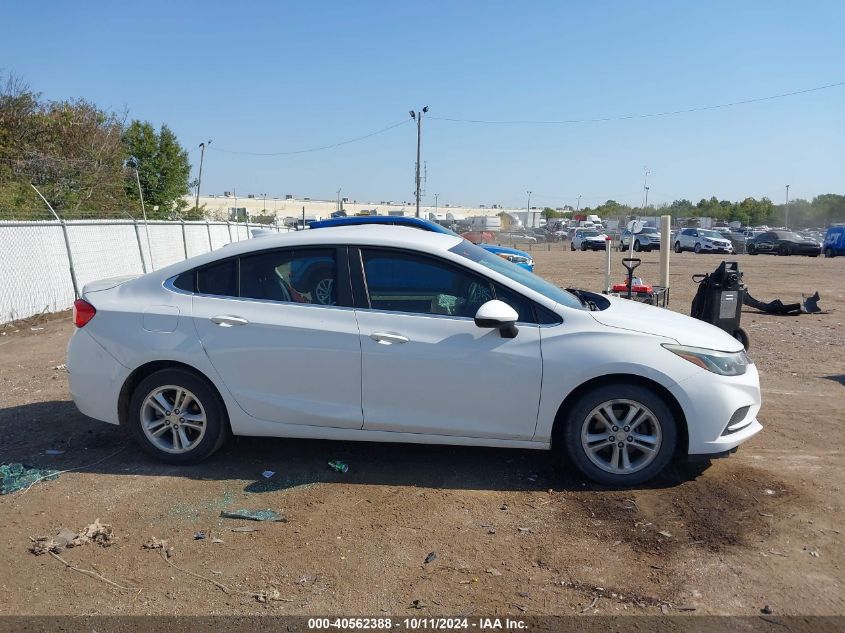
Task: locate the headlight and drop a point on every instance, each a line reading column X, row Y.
column 722, row 363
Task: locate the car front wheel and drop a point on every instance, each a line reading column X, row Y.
column 678, row 247
column 697, row 248
column 572, row 247
column 620, row 435
column 177, row 417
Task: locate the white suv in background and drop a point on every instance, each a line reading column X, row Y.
column 702, row 241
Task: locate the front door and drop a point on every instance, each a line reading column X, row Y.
column 427, row 368
column 272, row 328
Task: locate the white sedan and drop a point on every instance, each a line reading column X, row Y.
column 392, row 334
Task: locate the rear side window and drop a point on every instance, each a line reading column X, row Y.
column 295, row 276
column 218, row 279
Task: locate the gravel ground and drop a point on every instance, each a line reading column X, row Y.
column 511, row 535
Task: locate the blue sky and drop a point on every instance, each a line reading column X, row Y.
column 283, row 76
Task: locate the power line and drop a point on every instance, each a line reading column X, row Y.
column 312, row 149
column 649, row 115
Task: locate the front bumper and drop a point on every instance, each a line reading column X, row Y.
column 709, row 402
column 717, row 248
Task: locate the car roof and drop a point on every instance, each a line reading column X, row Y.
column 369, row 235
column 396, row 220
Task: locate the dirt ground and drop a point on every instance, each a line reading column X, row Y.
column 511, row 535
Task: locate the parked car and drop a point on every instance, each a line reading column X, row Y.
column 834, row 241
column 521, row 258
column 702, row 241
column 646, row 240
column 588, row 239
column 218, row 344
column 782, row 243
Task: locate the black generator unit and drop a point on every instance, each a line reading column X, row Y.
column 719, row 299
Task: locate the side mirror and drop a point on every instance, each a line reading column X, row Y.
column 498, row 314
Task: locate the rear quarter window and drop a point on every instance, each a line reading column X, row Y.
column 218, row 279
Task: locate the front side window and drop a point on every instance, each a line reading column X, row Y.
column 517, row 274
column 294, row 276
column 406, row 282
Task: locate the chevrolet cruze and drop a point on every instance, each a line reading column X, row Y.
column 417, row 337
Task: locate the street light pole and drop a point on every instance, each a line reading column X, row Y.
column 417, row 116
column 528, row 205
column 786, row 209
column 338, row 199
column 435, row 204
column 199, row 177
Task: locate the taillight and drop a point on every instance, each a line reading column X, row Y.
column 82, row 312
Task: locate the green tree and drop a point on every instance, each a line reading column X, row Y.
column 163, row 169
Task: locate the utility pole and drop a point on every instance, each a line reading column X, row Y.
column 338, row 199
column 264, row 212
column 199, row 178
column 786, row 209
column 417, row 116
column 528, row 205
column 646, row 198
column 435, row 204
column 645, row 186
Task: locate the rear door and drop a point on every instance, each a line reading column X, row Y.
column 427, row 368
column 279, row 328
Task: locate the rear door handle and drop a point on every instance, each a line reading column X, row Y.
column 388, row 338
column 228, row 320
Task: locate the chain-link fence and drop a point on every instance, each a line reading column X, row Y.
column 45, row 264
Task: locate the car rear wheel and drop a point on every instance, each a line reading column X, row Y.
column 678, row 248
column 583, row 246
column 620, row 434
column 177, row 417
column 752, row 250
column 784, row 250
column 637, row 246
column 572, row 246
column 828, row 252
column 621, row 247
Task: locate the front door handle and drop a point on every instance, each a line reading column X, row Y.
column 388, row 338
column 228, row 320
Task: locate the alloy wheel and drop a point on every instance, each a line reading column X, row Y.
column 323, row 291
column 173, row 419
column 621, row 436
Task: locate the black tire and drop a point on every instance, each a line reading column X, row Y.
column 742, row 336
column 678, row 248
column 621, row 247
column 752, row 250
column 216, row 419
column 828, row 252
column 784, row 250
column 569, row 435
column 571, row 246
column 584, row 246
column 697, row 248
column 637, row 247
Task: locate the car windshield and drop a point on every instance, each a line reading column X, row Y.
column 711, row 234
column 589, row 234
column 789, row 235
column 517, row 274
column 649, row 229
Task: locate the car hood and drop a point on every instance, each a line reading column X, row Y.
column 505, row 249
column 630, row 315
